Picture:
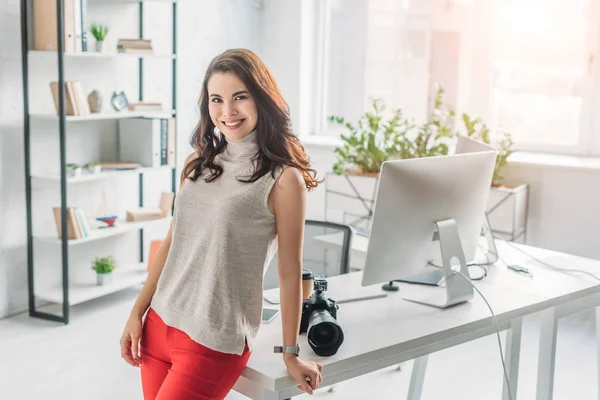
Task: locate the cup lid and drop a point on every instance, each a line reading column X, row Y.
column 307, row 274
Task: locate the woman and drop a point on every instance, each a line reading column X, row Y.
column 242, row 196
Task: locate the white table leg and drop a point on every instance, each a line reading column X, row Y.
column 547, row 354
column 511, row 359
column 417, row 377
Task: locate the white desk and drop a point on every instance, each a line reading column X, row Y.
column 386, row 331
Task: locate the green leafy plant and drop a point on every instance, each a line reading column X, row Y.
column 375, row 140
column 372, row 140
column 476, row 129
column 104, row 265
column 72, row 165
column 92, row 164
column 434, row 135
column 99, row 31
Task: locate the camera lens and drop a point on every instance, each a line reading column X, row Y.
column 324, row 334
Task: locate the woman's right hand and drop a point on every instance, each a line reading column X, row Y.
column 130, row 341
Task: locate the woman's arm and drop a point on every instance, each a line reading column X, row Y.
column 289, row 206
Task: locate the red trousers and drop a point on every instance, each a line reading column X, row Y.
column 174, row 367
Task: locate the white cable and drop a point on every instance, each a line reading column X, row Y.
column 497, row 331
column 545, row 264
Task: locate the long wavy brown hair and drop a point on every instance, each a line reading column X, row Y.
column 277, row 143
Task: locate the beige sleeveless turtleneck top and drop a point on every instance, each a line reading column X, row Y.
column 224, row 237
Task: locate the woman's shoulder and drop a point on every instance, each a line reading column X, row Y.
column 289, row 177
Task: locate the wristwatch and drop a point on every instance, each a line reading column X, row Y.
column 287, row 349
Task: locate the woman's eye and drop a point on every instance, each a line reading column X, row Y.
column 215, row 100
column 240, row 97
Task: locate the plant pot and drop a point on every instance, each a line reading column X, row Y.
column 74, row 172
column 104, row 279
column 358, row 172
column 100, row 47
column 95, row 169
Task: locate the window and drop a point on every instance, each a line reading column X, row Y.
column 524, row 66
column 542, row 59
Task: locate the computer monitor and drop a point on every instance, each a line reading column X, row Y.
column 422, row 200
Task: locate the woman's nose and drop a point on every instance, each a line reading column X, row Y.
column 229, row 109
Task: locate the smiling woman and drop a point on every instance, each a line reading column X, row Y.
column 242, row 198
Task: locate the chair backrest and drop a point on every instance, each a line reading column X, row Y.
column 327, row 259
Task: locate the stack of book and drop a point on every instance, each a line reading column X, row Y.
column 135, row 46
column 77, row 225
column 145, row 106
column 75, row 101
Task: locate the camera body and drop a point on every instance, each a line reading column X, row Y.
column 317, row 301
column 319, row 321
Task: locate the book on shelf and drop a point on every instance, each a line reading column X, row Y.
column 147, row 141
column 145, row 106
column 134, row 46
column 74, row 23
column 118, row 166
column 77, row 224
column 144, row 214
column 75, row 101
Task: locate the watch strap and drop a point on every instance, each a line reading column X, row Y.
column 287, row 349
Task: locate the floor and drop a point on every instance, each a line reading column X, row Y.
column 47, row 360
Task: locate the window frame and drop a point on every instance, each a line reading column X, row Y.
column 588, row 143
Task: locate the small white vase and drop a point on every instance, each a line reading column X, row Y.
column 74, row 172
column 104, row 279
column 95, row 169
column 100, row 47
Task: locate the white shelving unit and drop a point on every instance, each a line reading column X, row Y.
column 91, row 54
column 77, row 286
column 103, row 233
column 88, row 177
column 124, row 276
column 105, row 116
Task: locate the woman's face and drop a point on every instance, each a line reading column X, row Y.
column 231, row 108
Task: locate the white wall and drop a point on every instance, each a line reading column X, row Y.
column 280, row 48
column 205, row 28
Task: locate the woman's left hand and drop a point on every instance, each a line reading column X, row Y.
column 306, row 373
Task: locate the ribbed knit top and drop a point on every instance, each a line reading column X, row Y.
column 224, row 238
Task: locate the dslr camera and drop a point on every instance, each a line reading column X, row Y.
column 319, row 314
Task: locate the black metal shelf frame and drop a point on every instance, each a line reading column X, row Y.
column 62, row 126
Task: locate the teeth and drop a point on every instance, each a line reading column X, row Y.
column 233, row 123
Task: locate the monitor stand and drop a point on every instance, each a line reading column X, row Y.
column 457, row 288
column 434, row 276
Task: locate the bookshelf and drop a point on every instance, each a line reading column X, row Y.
column 96, row 55
column 87, row 177
column 104, row 233
column 75, row 285
column 105, row 115
column 84, row 290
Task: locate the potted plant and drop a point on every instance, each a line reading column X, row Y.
column 99, row 32
column 73, row 169
column 376, row 141
column 371, row 142
column 94, row 167
column 104, row 267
